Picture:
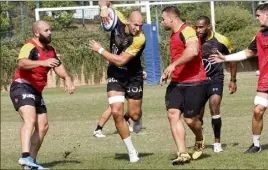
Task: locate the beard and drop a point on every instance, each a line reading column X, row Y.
column 167, row 28
column 44, row 40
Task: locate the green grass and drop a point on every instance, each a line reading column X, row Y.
column 69, row 143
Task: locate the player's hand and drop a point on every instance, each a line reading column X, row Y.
column 51, row 62
column 168, row 71
column 144, row 75
column 68, row 85
column 163, row 79
column 216, row 58
column 95, row 46
column 105, row 16
column 232, row 87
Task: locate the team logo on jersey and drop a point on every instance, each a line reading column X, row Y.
column 207, row 64
column 125, row 42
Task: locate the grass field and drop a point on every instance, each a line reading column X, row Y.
column 70, row 144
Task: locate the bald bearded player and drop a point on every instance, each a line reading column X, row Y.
column 35, row 60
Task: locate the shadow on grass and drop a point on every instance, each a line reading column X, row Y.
column 126, row 157
column 223, row 146
column 115, row 132
column 203, row 156
column 264, row 147
column 54, row 163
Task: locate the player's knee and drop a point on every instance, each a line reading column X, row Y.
column 215, row 110
column 30, row 122
column 258, row 113
column 189, row 121
column 172, row 114
column 43, row 130
column 135, row 114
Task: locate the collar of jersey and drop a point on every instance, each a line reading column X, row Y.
column 212, row 35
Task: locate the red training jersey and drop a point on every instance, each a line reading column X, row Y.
column 260, row 45
column 192, row 71
column 37, row 77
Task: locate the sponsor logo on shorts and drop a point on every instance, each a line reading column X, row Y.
column 215, row 89
column 134, row 89
column 24, row 96
column 111, row 80
column 190, row 112
column 167, row 103
column 42, row 102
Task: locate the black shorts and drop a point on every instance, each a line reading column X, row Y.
column 214, row 87
column 22, row 94
column 131, row 85
column 265, row 91
column 188, row 99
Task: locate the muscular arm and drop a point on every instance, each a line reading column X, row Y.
column 241, row 55
column 27, row 64
column 61, row 72
column 118, row 60
column 190, row 52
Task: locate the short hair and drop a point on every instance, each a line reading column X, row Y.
column 262, row 7
column 205, row 18
column 173, row 10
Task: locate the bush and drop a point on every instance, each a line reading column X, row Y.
column 232, row 18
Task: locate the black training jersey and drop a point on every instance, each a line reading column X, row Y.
column 210, row 46
column 121, row 42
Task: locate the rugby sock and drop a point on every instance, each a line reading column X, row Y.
column 128, row 143
column 256, row 140
column 98, row 128
column 25, row 154
column 216, row 125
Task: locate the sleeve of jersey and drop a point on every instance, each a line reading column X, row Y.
column 253, row 46
column 227, row 44
column 189, row 34
column 136, row 46
column 25, row 51
column 55, row 55
column 120, row 16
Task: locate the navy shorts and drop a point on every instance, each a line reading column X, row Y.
column 22, row 94
column 187, row 99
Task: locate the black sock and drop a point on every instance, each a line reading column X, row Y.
column 25, row 154
column 98, row 128
column 126, row 117
column 216, row 125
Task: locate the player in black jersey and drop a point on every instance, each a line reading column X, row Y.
column 211, row 43
column 125, row 75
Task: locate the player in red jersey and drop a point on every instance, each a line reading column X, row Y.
column 185, row 95
column 259, row 46
column 35, row 60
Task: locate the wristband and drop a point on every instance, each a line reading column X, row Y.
column 100, row 50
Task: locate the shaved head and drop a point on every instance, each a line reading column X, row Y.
column 41, row 31
column 37, row 25
column 135, row 15
column 134, row 23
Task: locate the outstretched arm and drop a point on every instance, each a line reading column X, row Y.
column 62, row 73
column 239, row 56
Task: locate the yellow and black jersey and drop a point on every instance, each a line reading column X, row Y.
column 29, row 51
column 122, row 42
column 210, row 46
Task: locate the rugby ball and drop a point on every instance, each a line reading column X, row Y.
column 112, row 20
